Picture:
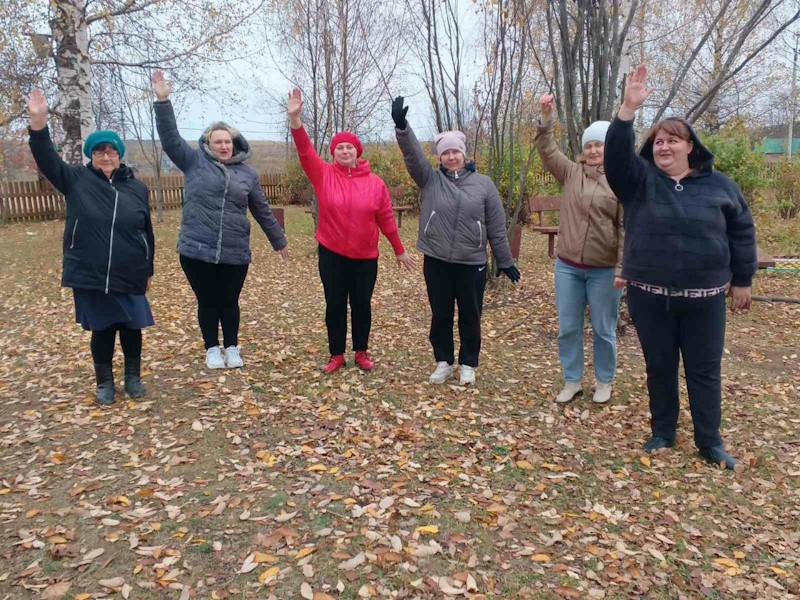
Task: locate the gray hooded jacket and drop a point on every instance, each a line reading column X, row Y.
column 461, row 211
column 214, row 223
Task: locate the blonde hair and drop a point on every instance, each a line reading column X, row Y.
column 219, row 126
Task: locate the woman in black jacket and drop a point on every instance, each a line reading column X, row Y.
column 108, row 246
column 689, row 233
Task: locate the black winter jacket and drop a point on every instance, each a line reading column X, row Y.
column 696, row 235
column 108, row 236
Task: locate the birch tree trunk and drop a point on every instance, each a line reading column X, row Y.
column 73, row 67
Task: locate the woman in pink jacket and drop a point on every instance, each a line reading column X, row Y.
column 353, row 203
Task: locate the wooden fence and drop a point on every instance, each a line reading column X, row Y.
column 39, row 201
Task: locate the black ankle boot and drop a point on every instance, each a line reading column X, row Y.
column 133, row 379
column 656, row 443
column 717, row 455
column 105, row 383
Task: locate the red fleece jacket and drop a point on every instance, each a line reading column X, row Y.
column 352, row 204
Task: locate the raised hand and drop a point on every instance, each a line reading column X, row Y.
column 295, row 104
column 636, row 90
column 37, row 109
column 547, row 102
column 399, row 113
column 161, row 87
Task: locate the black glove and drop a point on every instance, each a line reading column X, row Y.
column 511, row 272
column 399, row 113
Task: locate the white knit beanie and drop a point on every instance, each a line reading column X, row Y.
column 596, row 132
column 450, row 140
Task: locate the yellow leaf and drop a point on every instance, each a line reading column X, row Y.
column 525, row 465
column 733, row 572
column 305, row 552
column 260, row 557
column 645, row 460
column 123, row 500
column 540, row 558
column 333, row 470
column 428, row 529
column 270, row 573
column 778, row 571
column 32, row 513
column 318, row 468
column 726, row 562
column 739, row 555
column 81, row 597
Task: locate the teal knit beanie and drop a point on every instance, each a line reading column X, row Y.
column 103, row 137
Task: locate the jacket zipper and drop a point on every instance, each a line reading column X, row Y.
column 425, row 231
column 146, row 247
column 222, row 213
column 480, row 235
column 111, row 238
column 74, row 229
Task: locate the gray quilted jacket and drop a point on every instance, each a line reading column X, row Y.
column 461, row 211
column 216, row 196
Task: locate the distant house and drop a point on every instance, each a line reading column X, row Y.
column 774, row 148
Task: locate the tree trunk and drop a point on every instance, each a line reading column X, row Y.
column 71, row 37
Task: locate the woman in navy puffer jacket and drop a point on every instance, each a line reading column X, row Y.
column 214, row 240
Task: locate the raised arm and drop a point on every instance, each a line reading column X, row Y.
column 59, row 173
column 625, row 170
column 417, row 164
column 313, row 166
column 178, row 150
column 552, row 158
column 262, row 212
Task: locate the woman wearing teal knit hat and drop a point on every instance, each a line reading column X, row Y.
column 108, row 246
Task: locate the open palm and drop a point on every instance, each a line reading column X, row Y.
column 37, row 104
column 636, row 90
column 295, row 103
column 161, row 86
column 547, row 103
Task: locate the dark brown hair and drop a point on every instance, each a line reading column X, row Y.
column 676, row 126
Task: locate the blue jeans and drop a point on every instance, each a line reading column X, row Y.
column 574, row 288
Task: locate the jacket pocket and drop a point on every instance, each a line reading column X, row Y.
column 480, row 234
column 428, row 224
column 74, row 231
column 146, row 247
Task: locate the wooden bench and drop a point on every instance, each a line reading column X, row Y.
column 764, row 259
column 395, row 193
column 539, row 205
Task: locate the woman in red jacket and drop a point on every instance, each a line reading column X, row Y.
column 353, row 203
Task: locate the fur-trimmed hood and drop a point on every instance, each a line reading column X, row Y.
column 241, row 149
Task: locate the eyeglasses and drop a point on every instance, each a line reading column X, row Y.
column 110, row 152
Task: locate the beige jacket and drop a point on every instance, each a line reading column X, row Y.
column 590, row 231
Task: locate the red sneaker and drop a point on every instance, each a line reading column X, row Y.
column 363, row 360
column 334, row 363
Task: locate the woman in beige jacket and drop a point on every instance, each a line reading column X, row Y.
column 589, row 256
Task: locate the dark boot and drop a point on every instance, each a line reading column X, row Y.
column 105, row 383
column 718, row 455
column 133, row 379
column 656, row 443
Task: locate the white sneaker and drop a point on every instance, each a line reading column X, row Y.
column 466, row 375
column 571, row 389
column 602, row 392
column 232, row 358
column 214, row 358
column 443, row 372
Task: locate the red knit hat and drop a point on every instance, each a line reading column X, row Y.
column 349, row 137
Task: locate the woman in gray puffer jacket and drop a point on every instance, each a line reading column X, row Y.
column 214, row 240
column 461, row 213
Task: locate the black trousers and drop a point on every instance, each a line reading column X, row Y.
column 695, row 329
column 450, row 284
column 346, row 279
column 217, row 288
column 103, row 341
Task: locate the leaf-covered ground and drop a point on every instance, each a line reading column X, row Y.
column 276, row 481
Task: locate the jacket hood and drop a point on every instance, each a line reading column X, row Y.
column 700, row 158
column 241, row 149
